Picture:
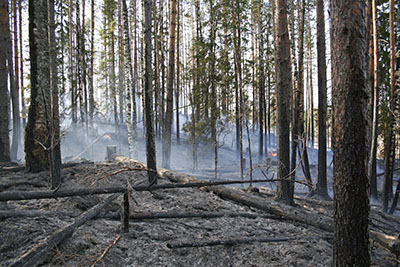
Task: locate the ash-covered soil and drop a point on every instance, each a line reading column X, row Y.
column 148, row 241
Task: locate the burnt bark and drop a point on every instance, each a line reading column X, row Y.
column 4, row 108
column 321, row 188
column 148, row 99
column 283, row 88
column 350, row 95
column 37, row 129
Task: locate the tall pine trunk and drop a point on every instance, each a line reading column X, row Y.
column 54, row 129
column 375, row 102
column 4, row 108
column 349, row 99
column 390, row 140
column 283, row 89
column 148, row 99
column 14, row 97
column 322, row 188
column 37, row 130
column 166, row 148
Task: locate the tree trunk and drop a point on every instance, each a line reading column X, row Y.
column 150, row 143
column 121, row 63
column 128, row 75
column 177, row 95
column 283, row 89
column 322, row 188
column 54, row 123
column 91, row 71
column 300, row 87
column 21, row 62
column 4, row 108
column 71, row 66
column 166, row 147
column 390, row 147
column 37, row 130
column 214, row 108
column 374, row 134
column 349, row 99
column 261, row 81
column 15, row 89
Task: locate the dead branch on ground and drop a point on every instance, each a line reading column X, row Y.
column 35, row 255
column 106, row 250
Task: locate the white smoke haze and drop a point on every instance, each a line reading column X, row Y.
column 79, row 144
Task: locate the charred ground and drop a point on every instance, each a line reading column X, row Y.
column 149, row 241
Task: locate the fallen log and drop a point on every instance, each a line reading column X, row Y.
column 6, row 185
column 284, row 211
column 4, row 214
column 227, row 242
column 300, row 215
column 24, row 195
column 138, row 216
column 389, row 242
column 35, row 255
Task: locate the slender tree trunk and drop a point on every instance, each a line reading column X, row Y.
column 14, row 96
column 121, row 63
column 283, row 89
column 16, row 89
column 71, row 66
column 261, row 81
column 300, row 81
column 135, row 88
column 84, row 68
column 21, row 62
column 128, row 74
column 91, row 75
column 390, row 144
column 374, row 135
column 177, row 95
column 349, row 99
column 322, row 188
column 396, row 114
column 236, row 76
column 79, row 62
column 150, row 143
column 214, row 107
column 54, row 129
column 4, row 108
column 166, row 148
column 157, row 75
column 312, row 98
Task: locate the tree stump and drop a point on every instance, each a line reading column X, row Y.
column 111, row 150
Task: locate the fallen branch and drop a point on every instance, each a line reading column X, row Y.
column 278, row 209
column 381, row 174
column 4, row 186
column 389, row 242
column 227, row 242
column 24, row 195
column 106, row 250
column 4, row 214
column 138, row 216
column 35, row 255
column 300, row 215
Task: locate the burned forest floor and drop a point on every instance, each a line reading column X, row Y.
column 212, row 230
